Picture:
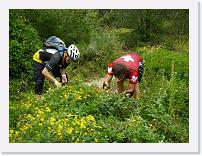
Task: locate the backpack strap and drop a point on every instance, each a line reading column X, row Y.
column 61, row 53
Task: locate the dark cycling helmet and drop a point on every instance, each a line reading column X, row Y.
column 54, row 41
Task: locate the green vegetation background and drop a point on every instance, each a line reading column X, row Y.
column 83, row 113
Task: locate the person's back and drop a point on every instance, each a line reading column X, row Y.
column 52, row 46
column 44, row 55
column 131, row 60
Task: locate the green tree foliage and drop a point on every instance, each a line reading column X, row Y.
column 73, row 26
column 24, row 42
column 149, row 26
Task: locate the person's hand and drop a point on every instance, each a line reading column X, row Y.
column 128, row 94
column 105, row 85
column 58, row 84
column 64, row 79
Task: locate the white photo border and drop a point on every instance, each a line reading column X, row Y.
column 194, row 141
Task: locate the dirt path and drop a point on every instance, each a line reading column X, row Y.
column 96, row 82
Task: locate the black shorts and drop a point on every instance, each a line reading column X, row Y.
column 140, row 70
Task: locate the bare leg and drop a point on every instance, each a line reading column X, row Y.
column 137, row 93
column 120, row 86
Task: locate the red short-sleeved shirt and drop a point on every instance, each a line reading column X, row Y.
column 131, row 60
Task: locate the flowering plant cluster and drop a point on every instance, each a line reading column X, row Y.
column 80, row 113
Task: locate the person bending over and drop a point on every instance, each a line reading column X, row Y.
column 129, row 66
column 51, row 61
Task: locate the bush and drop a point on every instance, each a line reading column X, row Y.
column 80, row 113
column 72, row 26
column 24, row 42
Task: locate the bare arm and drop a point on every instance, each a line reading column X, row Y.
column 48, row 75
column 63, row 71
column 137, row 91
column 107, row 80
column 64, row 75
column 131, row 88
column 134, row 88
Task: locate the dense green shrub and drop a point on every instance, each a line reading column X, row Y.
column 157, row 117
column 72, row 26
column 23, row 43
column 101, row 51
column 160, row 61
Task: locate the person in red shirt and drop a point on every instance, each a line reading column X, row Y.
column 129, row 66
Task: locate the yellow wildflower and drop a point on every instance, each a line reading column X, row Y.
column 48, row 109
column 90, row 118
column 17, row 133
column 82, row 120
column 59, row 133
column 60, row 127
column 42, row 119
column 78, row 97
column 40, row 112
column 65, row 96
column 69, row 130
column 52, row 121
column 29, row 116
column 82, row 125
column 49, row 129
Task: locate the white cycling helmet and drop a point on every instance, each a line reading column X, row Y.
column 73, row 52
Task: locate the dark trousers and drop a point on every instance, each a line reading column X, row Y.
column 39, row 77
